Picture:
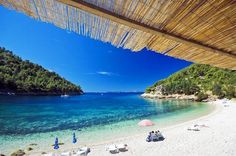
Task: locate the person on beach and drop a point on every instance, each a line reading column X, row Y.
column 149, row 137
column 156, row 133
column 154, row 136
column 159, row 135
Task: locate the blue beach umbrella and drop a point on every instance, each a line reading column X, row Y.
column 74, row 140
column 56, row 145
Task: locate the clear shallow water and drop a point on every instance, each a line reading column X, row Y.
column 99, row 117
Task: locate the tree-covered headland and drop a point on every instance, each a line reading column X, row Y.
column 199, row 80
column 23, row 77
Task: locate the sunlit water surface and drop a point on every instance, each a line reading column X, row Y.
column 93, row 117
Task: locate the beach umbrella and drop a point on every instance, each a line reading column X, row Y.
column 145, row 123
column 74, row 140
column 56, row 144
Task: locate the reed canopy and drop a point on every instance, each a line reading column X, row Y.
column 201, row 31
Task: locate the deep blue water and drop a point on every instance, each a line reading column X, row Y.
column 32, row 114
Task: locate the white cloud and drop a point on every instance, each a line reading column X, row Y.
column 105, row 73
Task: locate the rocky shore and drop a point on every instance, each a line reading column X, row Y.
column 176, row 96
column 12, row 93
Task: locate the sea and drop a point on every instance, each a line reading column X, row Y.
column 35, row 121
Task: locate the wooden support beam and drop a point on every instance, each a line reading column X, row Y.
column 93, row 9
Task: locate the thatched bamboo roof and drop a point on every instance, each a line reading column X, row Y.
column 201, row 31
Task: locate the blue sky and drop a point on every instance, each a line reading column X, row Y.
column 92, row 64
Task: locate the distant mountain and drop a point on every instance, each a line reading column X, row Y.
column 199, row 80
column 23, row 77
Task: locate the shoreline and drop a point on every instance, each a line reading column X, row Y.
column 178, row 97
column 101, row 145
column 215, row 111
column 139, row 147
column 178, row 130
column 172, row 96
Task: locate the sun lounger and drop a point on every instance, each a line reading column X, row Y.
column 194, row 128
column 85, row 149
column 112, row 149
column 200, row 125
column 66, row 154
column 82, row 151
column 122, row 147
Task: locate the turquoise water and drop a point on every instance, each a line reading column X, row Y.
column 100, row 117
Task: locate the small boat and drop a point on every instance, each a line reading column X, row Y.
column 65, row 95
column 10, row 93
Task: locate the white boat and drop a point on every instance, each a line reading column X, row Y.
column 65, row 95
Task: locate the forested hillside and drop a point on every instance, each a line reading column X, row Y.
column 24, row 77
column 200, row 80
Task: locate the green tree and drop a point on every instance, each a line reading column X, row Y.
column 199, row 78
column 21, row 76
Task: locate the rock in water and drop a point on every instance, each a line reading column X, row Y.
column 18, row 153
column 29, row 149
